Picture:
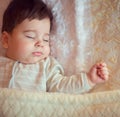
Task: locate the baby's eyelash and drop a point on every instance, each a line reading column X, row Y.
column 46, row 40
column 30, row 37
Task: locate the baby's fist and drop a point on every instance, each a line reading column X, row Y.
column 99, row 73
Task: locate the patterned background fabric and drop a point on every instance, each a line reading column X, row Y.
column 85, row 32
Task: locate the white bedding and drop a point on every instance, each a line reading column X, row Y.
column 88, row 31
column 14, row 103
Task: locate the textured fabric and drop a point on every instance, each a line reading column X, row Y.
column 46, row 75
column 15, row 103
column 85, row 32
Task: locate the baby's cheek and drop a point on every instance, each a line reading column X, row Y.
column 23, row 50
column 47, row 50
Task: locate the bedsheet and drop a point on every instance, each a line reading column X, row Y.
column 16, row 103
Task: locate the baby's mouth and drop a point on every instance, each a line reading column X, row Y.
column 37, row 53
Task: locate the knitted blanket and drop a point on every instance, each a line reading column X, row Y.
column 16, row 103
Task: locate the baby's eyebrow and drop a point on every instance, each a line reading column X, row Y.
column 46, row 34
column 30, row 31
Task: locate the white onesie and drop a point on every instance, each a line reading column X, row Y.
column 46, row 75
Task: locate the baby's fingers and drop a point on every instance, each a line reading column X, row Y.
column 101, row 65
column 103, row 73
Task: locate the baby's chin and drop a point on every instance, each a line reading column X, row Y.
column 30, row 61
column 27, row 61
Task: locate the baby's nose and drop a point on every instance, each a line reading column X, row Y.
column 39, row 43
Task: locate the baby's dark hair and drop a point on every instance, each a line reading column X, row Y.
column 19, row 10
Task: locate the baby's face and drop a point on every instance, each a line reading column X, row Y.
column 29, row 41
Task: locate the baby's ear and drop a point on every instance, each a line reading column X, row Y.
column 5, row 37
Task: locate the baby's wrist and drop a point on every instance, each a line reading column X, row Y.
column 91, row 83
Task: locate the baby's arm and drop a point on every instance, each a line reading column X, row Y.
column 79, row 83
column 58, row 82
column 98, row 74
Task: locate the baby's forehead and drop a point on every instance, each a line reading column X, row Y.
column 30, row 21
column 34, row 25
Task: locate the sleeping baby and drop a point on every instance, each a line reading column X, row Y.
column 27, row 64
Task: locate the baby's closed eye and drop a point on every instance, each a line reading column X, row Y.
column 30, row 34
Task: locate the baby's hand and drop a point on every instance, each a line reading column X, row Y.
column 99, row 73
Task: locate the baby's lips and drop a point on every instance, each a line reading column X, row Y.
column 37, row 53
